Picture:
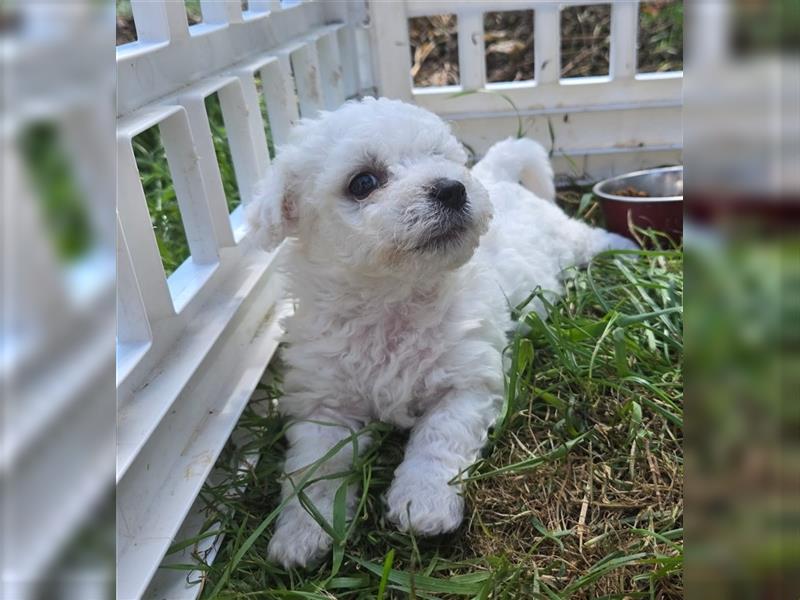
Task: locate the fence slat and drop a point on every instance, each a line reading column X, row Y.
column 350, row 14
column 132, row 324
column 289, row 90
column 330, row 63
column 471, row 51
column 221, row 13
column 176, row 19
column 150, row 17
column 347, row 46
column 236, row 112
column 392, row 54
column 135, row 219
column 305, row 67
column 187, row 177
column 276, row 78
column 624, row 32
column 193, row 101
column 255, row 121
column 547, row 43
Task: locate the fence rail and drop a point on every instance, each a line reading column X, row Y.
column 192, row 346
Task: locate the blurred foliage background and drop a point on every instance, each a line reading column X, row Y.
column 64, row 210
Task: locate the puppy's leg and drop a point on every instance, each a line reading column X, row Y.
column 443, row 443
column 298, row 539
column 606, row 240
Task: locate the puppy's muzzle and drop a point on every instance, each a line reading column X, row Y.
column 449, row 193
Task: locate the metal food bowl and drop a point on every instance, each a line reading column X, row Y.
column 651, row 199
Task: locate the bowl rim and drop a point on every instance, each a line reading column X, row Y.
column 634, row 199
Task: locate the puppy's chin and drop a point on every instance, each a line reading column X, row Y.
column 442, row 251
column 447, row 245
column 444, row 257
column 443, row 240
column 448, row 250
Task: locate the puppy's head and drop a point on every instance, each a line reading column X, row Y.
column 376, row 187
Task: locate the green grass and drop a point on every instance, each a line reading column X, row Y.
column 578, row 495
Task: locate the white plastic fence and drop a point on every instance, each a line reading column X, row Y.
column 192, row 347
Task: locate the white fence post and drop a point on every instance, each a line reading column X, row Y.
column 235, row 114
column 391, row 51
column 151, row 20
column 305, row 67
column 547, row 43
column 132, row 323
column 624, row 32
column 221, row 13
column 257, row 133
column 193, row 101
column 471, row 51
column 330, row 62
column 132, row 208
column 290, row 92
column 177, row 22
column 276, row 77
column 189, row 187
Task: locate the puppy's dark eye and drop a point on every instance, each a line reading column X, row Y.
column 363, row 184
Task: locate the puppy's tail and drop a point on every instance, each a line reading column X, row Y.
column 520, row 161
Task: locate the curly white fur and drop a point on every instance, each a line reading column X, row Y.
column 392, row 324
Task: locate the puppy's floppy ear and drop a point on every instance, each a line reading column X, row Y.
column 273, row 213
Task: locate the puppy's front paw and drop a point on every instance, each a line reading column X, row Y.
column 613, row 241
column 424, row 506
column 298, row 540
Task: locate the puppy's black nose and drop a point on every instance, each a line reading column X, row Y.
column 450, row 193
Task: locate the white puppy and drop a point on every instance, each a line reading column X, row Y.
column 403, row 264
